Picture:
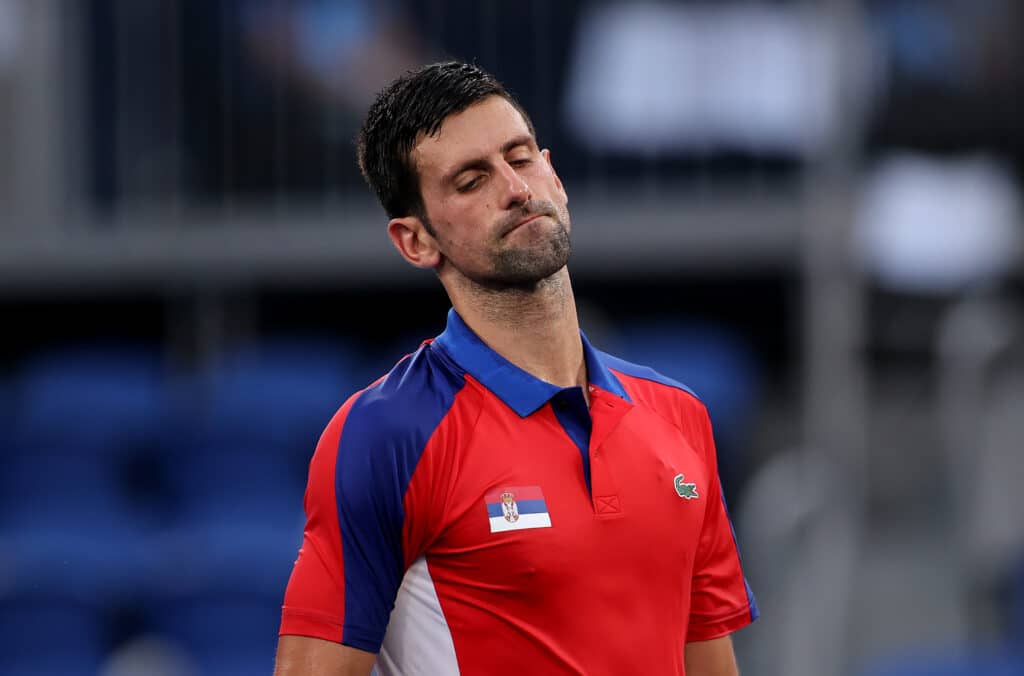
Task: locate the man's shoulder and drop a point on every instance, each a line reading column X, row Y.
column 378, row 439
column 408, row 401
column 638, row 376
column 666, row 397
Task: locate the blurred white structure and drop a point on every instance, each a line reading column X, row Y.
column 10, row 32
column 649, row 76
column 938, row 225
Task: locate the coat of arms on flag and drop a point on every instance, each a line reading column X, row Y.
column 517, row 508
column 509, row 508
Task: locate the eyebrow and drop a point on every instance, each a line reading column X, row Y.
column 481, row 163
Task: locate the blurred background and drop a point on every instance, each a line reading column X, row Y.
column 810, row 212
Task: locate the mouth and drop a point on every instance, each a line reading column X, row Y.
column 525, row 221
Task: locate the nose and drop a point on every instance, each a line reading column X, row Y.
column 516, row 189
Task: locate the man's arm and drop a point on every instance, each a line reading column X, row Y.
column 711, row 658
column 305, row 656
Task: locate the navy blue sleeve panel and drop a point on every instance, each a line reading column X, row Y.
column 381, row 443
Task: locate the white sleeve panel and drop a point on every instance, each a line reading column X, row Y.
column 418, row 641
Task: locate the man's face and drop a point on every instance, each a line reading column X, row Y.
column 497, row 208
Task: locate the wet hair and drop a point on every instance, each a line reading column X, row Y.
column 414, row 104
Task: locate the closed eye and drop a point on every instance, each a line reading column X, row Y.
column 471, row 185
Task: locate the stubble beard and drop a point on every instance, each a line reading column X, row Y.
column 523, row 267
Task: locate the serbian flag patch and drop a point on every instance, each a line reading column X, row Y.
column 517, row 508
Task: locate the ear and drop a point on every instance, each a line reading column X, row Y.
column 547, row 157
column 412, row 240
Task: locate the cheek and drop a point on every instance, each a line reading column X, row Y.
column 477, row 222
column 461, row 236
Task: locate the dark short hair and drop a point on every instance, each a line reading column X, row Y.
column 417, row 103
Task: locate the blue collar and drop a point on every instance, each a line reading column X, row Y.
column 518, row 389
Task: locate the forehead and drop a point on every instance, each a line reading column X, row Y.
column 475, row 132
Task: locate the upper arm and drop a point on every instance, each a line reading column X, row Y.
column 711, row 658
column 364, row 524
column 349, row 568
column 305, row 656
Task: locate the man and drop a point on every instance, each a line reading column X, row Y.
column 507, row 499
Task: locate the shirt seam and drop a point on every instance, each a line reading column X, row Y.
column 471, row 382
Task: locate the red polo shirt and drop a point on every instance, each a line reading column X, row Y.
column 465, row 517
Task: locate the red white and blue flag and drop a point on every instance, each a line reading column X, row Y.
column 517, row 508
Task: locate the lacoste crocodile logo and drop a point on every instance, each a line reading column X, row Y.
column 688, row 491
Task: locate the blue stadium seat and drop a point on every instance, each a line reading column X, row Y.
column 250, row 426
column 46, row 637
column 238, row 461
column 248, row 556
column 223, row 634
column 69, row 519
column 97, row 398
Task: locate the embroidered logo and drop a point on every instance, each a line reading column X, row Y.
column 516, row 508
column 685, row 490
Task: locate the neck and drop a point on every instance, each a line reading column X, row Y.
column 536, row 329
